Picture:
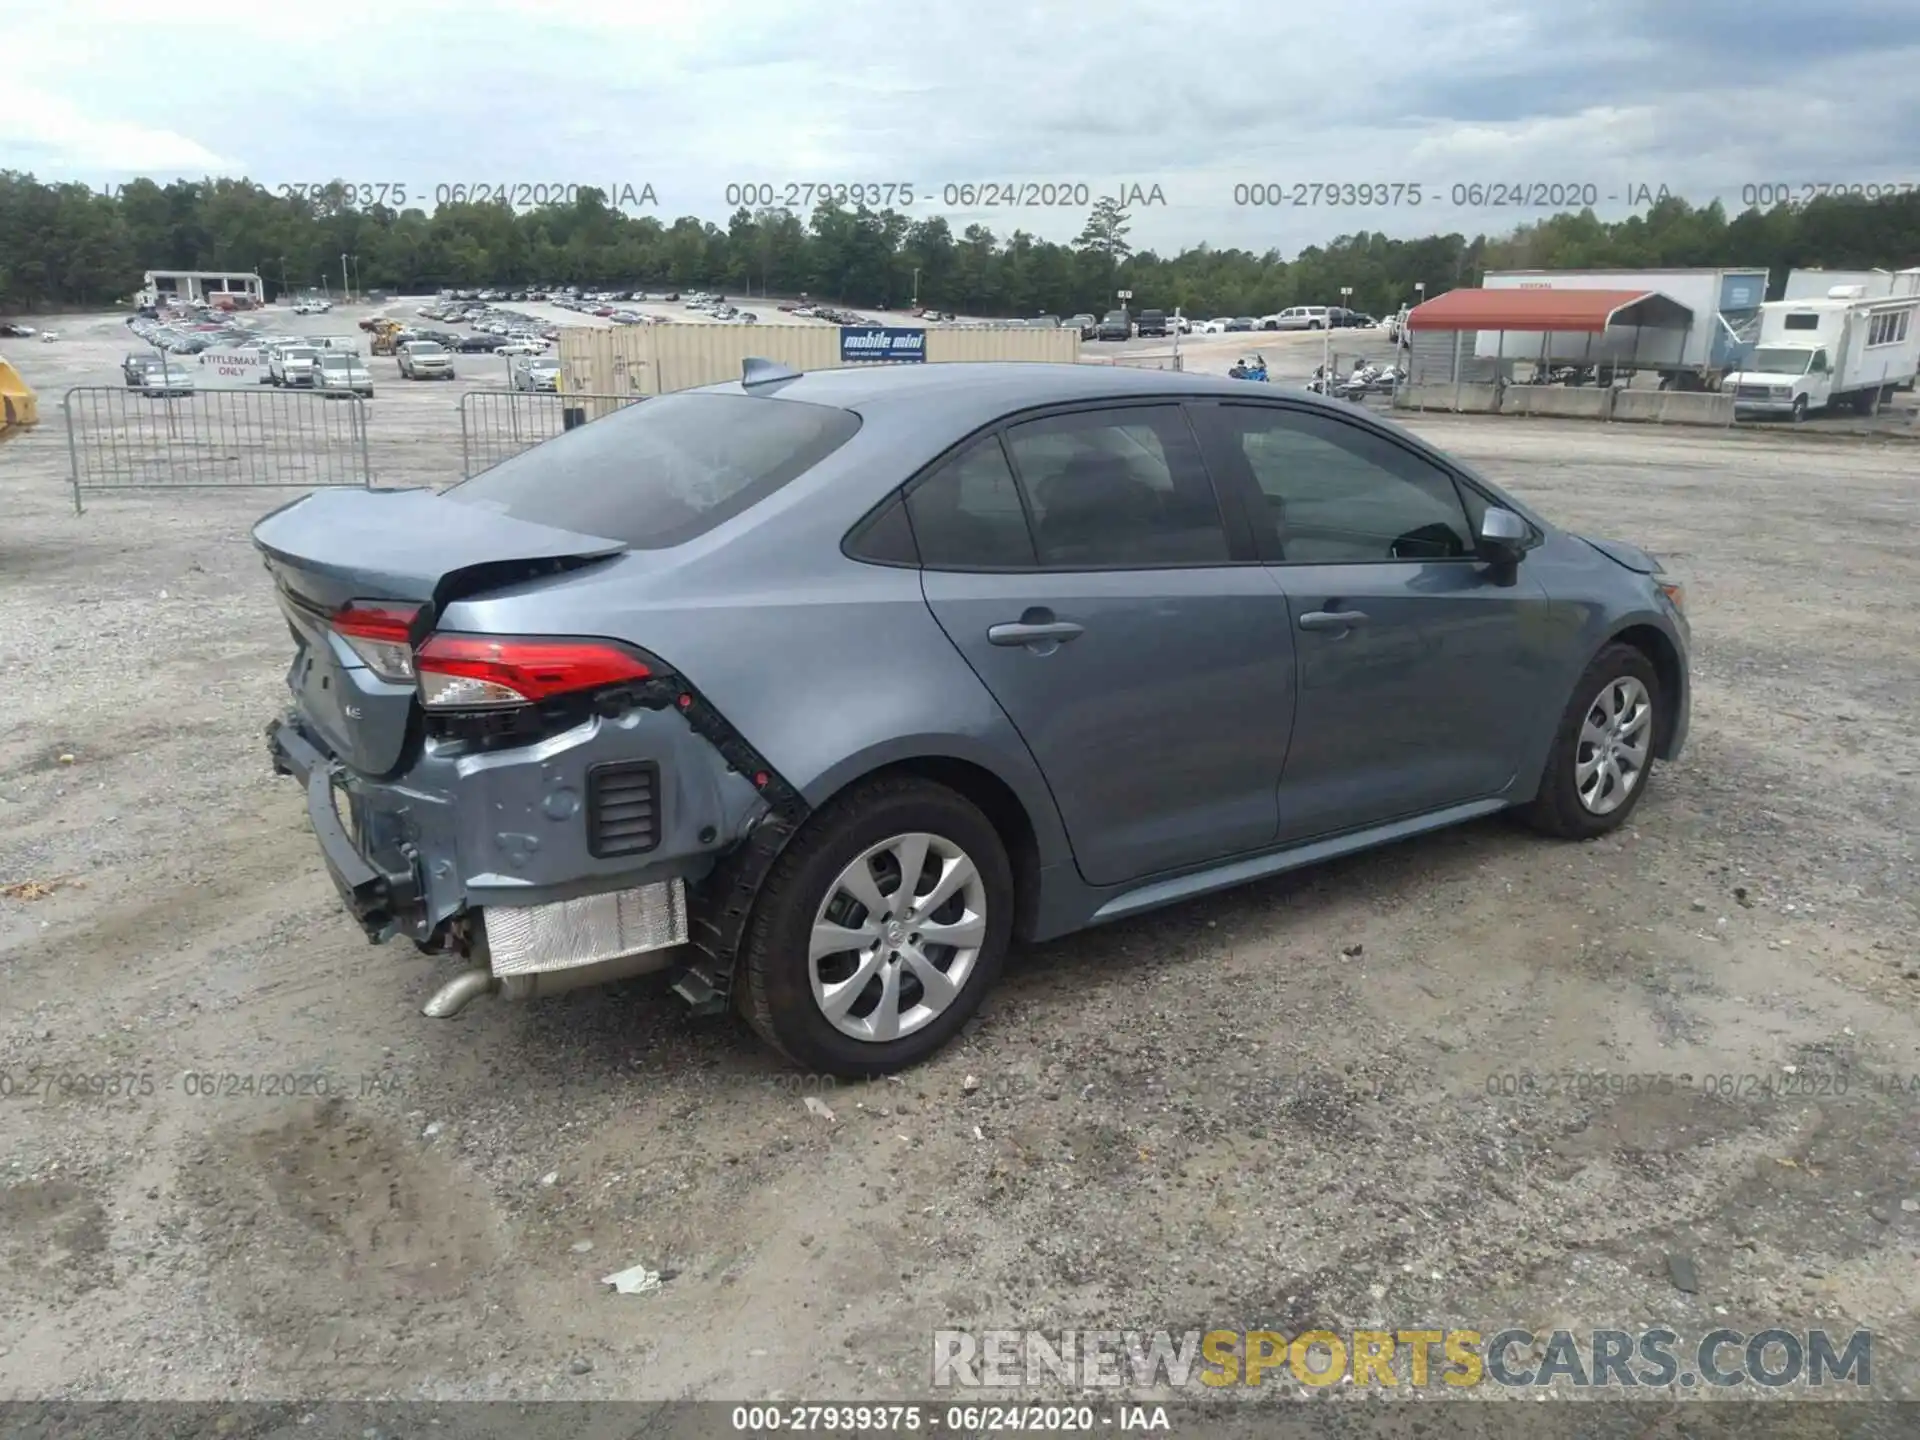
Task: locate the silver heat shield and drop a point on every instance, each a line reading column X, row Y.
column 534, row 939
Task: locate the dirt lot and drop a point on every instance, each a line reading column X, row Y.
column 1280, row 1107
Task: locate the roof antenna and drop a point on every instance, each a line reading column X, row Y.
column 755, row 371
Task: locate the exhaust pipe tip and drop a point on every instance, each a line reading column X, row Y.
column 458, row 993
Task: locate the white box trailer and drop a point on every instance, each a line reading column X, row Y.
column 1874, row 284
column 1845, row 349
column 1725, row 302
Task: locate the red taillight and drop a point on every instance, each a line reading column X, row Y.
column 463, row 672
column 380, row 633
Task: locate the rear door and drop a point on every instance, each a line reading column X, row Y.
column 1081, row 564
column 1418, row 672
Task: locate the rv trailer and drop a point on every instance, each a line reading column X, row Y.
column 1846, row 349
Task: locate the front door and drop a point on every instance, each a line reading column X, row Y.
column 1146, row 661
column 1415, row 663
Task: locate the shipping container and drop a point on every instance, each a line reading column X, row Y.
column 654, row 359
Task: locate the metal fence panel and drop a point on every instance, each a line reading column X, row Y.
column 119, row 438
column 496, row 425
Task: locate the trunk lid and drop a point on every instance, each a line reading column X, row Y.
column 402, row 546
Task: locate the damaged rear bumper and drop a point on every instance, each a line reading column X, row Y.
column 383, row 901
column 492, row 853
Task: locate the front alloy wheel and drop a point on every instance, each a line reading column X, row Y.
column 1615, row 738
column 1601, row 761
column 897, row 936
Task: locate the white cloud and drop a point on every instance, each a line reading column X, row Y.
column 62, row 139
column 690, row 96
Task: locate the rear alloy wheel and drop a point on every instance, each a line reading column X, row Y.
column 879, row 931
column 1799, row 408
column 1603, row 753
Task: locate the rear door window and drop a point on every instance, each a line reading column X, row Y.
column 967, row 514
column 1118, row 488
column 659, row 473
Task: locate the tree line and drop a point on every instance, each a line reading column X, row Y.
column 69, row 245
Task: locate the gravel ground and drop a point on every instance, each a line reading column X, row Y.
column 1279, row 1107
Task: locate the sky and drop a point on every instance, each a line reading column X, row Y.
column 1197, row 112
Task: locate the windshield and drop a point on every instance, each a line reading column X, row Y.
column 302, row 354
column 1115, row 317
column 663, row 471
column 1776, row 360
column 425, row 347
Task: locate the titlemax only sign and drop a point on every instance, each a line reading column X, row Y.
column 881, row 342
column 226, row 369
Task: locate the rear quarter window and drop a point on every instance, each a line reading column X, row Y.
column 664, row 471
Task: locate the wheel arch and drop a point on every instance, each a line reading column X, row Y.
column 1653, row 642
column 1028, row 826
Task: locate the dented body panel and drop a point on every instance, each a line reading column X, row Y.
column 472, row 830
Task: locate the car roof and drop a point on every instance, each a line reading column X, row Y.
column 974, row 393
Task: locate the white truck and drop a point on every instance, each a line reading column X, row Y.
column 1847, row 349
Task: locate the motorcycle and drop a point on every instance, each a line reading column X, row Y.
column 1243, row 369
column 1371, row 379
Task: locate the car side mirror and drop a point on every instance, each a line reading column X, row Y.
column 1503, row 538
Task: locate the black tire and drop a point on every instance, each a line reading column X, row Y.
column 1556, row 809
column 774, row 984
column 1799, row 408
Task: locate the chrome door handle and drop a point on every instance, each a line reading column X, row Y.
column 1024, row 633
column 1333, row 619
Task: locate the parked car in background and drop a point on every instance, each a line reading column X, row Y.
column 1114, row 325
column 292, row 365
column 153, row 375
column 595, row 619
column 1297, row 317
column 1086, row 324
column 425, row 360
column 1216, row 326
column 1241, row 322
column 521, row 347
column 1180, row 324
column 477, row 343
column 340, row 372
column 537, row 375
column 1152, row 322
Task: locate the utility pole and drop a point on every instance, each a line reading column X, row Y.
column 345, row 294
